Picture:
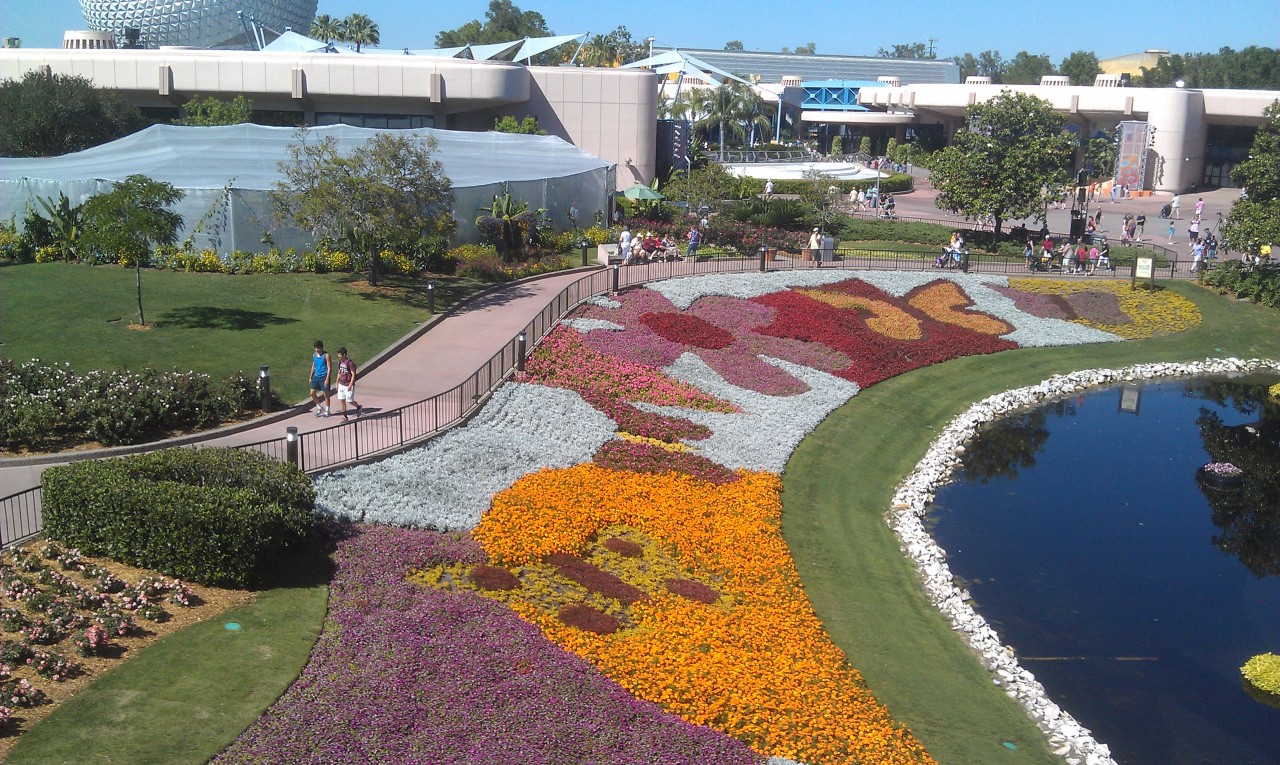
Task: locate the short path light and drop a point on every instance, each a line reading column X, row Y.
column 264, row 387
column 584, row 244
column 764, row 253
column 521, row 347
column 431, row 298
column 291, row 446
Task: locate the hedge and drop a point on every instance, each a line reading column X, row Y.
column 213, row 516
column 896, row 183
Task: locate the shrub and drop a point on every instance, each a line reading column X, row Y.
column 216, row 516
column 1263, row 672
column 1260, row 283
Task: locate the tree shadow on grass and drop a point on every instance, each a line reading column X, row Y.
column 215, row 317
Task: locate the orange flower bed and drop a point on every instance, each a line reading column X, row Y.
column 757, row 663
column 945, row 301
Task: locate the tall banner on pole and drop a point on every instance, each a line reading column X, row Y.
column 1131, row 155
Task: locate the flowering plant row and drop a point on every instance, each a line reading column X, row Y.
column 1112, row 306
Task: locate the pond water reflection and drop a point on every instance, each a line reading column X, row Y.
column 1133, row 586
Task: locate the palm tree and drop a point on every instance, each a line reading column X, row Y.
column 722, row 107
column 754, row 112
column 360, row 29
column 327, row 28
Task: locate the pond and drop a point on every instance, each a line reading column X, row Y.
column 1132, row 585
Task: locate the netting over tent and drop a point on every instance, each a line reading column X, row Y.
column 228, row 172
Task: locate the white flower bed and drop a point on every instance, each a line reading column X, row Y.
column 450, row 481
column 766, row 431
column 586, row 325
column 1066, row 736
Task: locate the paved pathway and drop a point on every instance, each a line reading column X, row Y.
column 439, row 359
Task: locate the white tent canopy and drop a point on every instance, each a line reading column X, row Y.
column 545, row 171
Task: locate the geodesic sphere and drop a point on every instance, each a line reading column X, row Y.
column 197, row 23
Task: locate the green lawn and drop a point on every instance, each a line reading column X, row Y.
column 184, row 698
column 213, row 323
column 839, row 484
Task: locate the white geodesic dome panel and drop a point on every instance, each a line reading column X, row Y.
column 196, row 23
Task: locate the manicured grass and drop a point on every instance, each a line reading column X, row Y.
column 212, row 323
column 185, row 697
column 838, row 486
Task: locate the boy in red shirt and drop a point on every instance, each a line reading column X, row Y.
column 347, row 383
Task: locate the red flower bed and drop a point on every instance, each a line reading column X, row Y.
column 647, row 458
column 594, row 578
column 624, row 547
column 691, row 590
column 875, row 356
column 493, row 578
column 689, row 329
column 589, row 619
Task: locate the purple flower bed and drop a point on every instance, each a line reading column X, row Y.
column 408, row 674
column 1098, row 307
column 1037, row 304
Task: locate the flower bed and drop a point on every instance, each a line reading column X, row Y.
column 651, row 545
column 1134, row 314
column 65, row 619
column 408, row 674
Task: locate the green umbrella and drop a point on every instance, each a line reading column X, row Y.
column 641, row 191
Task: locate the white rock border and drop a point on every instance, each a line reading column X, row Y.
column 1066, row 737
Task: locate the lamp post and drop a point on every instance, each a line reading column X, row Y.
column 649, row 40
column 431, row 298
column 615, row 278
column 584, row 244
column 764, row 253
column 521, row 347
column 264, row 387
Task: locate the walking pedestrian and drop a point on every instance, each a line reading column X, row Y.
column 768, row 189
column 1172, row 231
column 1194, row 229
column 1141, row 220
column 320, row 379
column 1175, row 207
column 695, row 239
column 1200, row 207
column 347, row 383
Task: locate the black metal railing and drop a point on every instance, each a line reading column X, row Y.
column 379, row 433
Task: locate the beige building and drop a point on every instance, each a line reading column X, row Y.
column 610, row 113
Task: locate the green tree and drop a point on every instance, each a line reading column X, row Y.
column 361, row 30
column 864, row 146
column 611, row 50
column 1081, row 66
column 213, row 111
column 733, row 45
column 128, row 221
column 387, row 193
column 701, row 186
column 1014, row 149
column 1026, row 69
column 526, row 126
column 988, row 63
column 1255, row 219
column 908, row 50
column 47, row 115
column 327, row 28
column 1100, row 157
column 503, row 22
column 808, row 49
column 66, row 224
column 1255, row 67
column 721, row 107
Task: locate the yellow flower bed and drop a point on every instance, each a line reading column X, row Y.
column 1152, row 313
column 756, row 664
column 635, row 439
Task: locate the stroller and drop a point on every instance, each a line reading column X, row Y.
column 1166, row 211
column 950, row 258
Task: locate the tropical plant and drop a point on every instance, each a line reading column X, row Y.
column 721, row 107
column 361, row 30
column 65, row 224
column 327, row 28
column 509, row 225
column 509, row 124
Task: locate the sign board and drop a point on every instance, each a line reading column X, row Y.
column 1143, row 267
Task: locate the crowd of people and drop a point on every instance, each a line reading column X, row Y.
column 649, row 247
column 1070, row 257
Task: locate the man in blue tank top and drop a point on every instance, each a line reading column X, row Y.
column 320, row 380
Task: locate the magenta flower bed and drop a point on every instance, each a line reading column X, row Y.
column 410, row 675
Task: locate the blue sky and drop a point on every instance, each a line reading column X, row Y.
column 1051, row 28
